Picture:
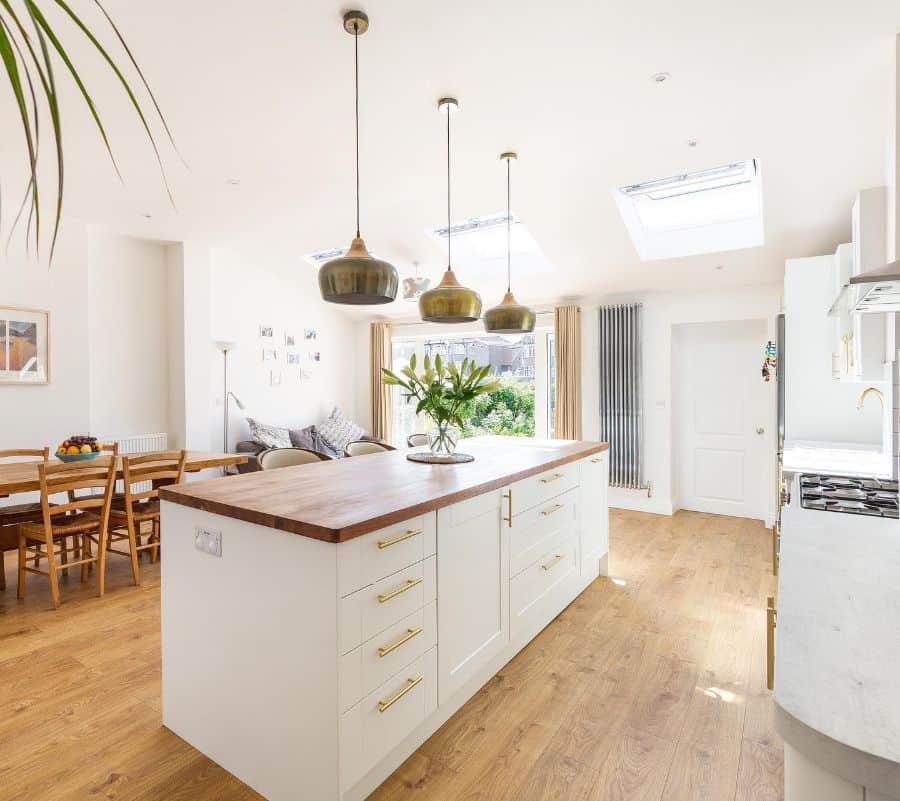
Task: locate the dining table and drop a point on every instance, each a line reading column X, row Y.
column 16, row 477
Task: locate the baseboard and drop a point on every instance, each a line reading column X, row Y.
column 638, row 501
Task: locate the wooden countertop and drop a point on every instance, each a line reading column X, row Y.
column 345, row 498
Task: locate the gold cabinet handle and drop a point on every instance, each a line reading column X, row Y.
column 508, row 497
column 553, row 562
column 399, row 590
column 555, row 508
column 771, row 623
column 549, row 479
column 384, row 706
column 410, row 633
column 597, row 460
column 408, row 535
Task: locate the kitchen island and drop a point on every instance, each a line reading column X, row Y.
column 320, row 622
column 837, row 684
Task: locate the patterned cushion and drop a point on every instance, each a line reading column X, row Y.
column 337, row 430
column 270, row 436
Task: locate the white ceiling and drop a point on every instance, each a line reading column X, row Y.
column 265, row 96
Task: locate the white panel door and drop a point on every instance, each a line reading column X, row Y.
column 719, row 417
column 473, row 589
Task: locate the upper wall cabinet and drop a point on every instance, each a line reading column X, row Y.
column 859, row 340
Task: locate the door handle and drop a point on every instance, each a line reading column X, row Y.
column 760, row 430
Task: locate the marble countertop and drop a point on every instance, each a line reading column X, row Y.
column 838, row 634
column 834, row 457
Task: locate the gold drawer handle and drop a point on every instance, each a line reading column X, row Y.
column 553, row 562
column 551, row 478
column 771, row 623
column 552, row 509
column 410, row 533
column 410, row 633
column 399, row 590
column 597, row 460
column 508, row 497
column 384, row 706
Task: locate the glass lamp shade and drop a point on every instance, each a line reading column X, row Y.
column 358, row 279
column 509, row 317
column 450, row 302
column 414, row 286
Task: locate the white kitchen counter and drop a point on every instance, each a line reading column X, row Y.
column 837, row 681
column 833, row 457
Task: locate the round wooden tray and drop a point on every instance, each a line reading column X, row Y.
column 430, row 458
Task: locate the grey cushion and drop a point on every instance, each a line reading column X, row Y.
column 267, row 435
column 338, row 430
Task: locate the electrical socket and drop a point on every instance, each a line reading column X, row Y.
column 208, row 540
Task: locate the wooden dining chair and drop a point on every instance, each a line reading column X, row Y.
column 105, row 447
column 417, row 440
column 363, row 446
column 76, row 519
column 142, row 476
column 11, row 516
column 273, row 458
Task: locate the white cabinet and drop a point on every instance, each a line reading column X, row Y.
column 473, row 599
column 594, row 517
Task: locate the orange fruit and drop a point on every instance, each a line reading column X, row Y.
column 73, row 449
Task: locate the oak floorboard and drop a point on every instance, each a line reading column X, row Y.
column 649, row 687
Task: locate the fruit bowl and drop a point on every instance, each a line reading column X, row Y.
column 77, row 457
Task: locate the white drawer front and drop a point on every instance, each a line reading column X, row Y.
column 528, row 590
column 366, row 668
column 537, row 489
column 371, row 610
column 533, row 531
column 386, row 716
column 367, row 559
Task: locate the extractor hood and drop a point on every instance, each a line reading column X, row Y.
column 876, row 290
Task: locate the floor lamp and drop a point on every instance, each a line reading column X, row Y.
column 227, row 394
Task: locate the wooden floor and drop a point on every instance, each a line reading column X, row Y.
column 650, row 686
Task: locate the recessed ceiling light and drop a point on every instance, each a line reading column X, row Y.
column 692, row 143
column 233, row 181
column 660, row 77
column 720, row 266
column 146, row 216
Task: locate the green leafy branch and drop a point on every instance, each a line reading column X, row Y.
column 29, row 44
column 442, row 391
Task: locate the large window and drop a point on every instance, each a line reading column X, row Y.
column 519, row 408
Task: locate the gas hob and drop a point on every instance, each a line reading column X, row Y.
column 875, row 497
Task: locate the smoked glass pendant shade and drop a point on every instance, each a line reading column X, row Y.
column 510, row 317
column 358, row 278
column 450, row 302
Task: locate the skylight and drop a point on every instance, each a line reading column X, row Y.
column 708, row 211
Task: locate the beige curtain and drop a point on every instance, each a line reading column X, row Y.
column 381, row 394
column 567, row 349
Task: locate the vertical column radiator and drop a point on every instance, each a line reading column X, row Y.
column 621, row 392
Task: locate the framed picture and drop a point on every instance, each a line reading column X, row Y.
column 266, row 332
column 315, row 356
column 24, row 346
column 275, row 378
column 292, row 357
column 289, row 340
column 269, row 355
column 310, row 333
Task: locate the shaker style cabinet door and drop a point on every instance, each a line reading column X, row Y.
column 473, row 589
column 594, row 517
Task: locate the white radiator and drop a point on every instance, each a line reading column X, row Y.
column 139, row 443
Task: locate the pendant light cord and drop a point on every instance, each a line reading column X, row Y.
column 508, row 231
column 356, row 112
column 448, row 189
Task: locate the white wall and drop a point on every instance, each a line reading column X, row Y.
column 661, row 311
column 249, row 289
column 128, row 342
column 817, row 407
column 34, row 416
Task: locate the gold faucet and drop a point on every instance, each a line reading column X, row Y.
column 864, row 395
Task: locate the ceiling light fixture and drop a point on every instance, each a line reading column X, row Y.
column 415, row 285
column 357, row 278
column 449, row 301
column 510, row 317
column 660, row 77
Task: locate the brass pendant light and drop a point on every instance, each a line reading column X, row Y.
column 449, row 301
column 509, row 317
column 357, row 278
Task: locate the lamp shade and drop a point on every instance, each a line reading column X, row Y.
column 450, row 302
column 510, row 317
column 358, row 278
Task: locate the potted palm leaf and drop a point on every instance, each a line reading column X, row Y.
column 443, row 392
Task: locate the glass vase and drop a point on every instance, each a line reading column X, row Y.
column 443, row 440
